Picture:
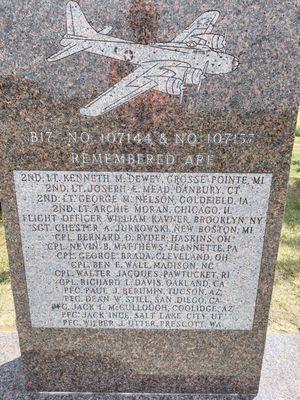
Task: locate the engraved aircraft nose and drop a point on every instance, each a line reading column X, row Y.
column 235, row 63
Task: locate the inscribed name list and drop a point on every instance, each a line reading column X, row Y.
column 122, row 250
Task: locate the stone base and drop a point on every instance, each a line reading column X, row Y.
column 112, row 396
column 280, row 376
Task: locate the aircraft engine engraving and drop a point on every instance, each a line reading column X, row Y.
column 216, row 42
column 173, row 86
column 193, row 76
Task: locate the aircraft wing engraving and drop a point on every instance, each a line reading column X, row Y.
column 150, row 75
column 203, row 24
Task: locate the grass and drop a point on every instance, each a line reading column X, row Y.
column 298, row 125
column 295, row 167
column 7, row 311
column 285, row 306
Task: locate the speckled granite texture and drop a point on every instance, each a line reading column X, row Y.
column 280, row 378
column 259, row 97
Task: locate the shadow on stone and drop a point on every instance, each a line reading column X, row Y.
column 10, row 379
column 13, row 388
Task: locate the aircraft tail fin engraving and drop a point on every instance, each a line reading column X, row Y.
column 77, row 27
column 77, row 24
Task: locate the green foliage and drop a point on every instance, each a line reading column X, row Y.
column 298, row 125
column 289, row 256
column 4, row 272
column 285, row 307
column 295, row 165
column 7, row 312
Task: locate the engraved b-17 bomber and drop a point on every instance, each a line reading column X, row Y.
column 188, row 59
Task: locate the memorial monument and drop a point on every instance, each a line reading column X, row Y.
column 145, row 153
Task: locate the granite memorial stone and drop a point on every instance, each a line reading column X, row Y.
column 145, row 152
